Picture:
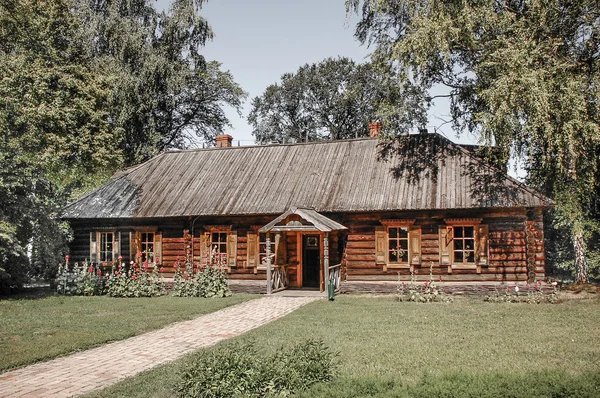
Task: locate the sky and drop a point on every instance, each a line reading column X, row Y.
column 259, row 40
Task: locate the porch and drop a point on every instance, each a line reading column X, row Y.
column 312, row 269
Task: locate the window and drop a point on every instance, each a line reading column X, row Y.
column 147, row 246
column 398, row 245
column 218, row 243
column 106, row 246
column 464, row 245
column 262, row 247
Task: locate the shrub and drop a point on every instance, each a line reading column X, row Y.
column 202, row 280
column 79, row 280
column 531, row 295
column 422, row 293
column 239, row 370
column 134, row 281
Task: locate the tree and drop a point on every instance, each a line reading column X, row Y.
column 521, row 74
column 333, row 99
column 54, row 134
column 87, row 87
column 164, row 94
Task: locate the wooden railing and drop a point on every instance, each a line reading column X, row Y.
column 279, row 278
column 335, row 274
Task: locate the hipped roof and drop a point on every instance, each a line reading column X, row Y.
column 327, row 176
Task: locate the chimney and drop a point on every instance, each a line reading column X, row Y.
column 224, row 140
column 374, row 128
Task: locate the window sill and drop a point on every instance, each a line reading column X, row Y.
column 398, row 266
column 464, row 266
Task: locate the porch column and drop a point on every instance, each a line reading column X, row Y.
column 326, row 261
column 268, row 253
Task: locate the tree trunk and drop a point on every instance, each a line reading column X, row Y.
column 581, row 268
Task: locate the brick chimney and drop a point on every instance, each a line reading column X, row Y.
column 224, row 140
column 374, row 128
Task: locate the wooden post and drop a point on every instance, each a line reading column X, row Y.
column 268, row 254
column 326, row 261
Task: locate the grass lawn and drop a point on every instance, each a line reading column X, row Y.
column 42, row 328
column 388, row 348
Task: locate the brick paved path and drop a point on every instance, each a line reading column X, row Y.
column 85, row 371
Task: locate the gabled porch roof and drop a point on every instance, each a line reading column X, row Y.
column 316, row 222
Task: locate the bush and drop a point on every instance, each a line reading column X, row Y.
column 239, row 370
column 203, row 280
column 76, row 280
column 134, row 281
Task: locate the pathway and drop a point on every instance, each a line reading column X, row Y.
column 85, row 371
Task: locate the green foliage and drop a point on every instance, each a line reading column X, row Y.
column 76, row 280
column 240, row 370
column 201, row 280
column 164, row 94
column 426, row 293
column 332, row 99
column 88, row 87
column 134, row 281
column 530, row 294
column 520, row 74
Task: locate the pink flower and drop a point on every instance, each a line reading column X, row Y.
column 157, row 260
column 90, row 269
column 162, row 269
column 201, row 267
column 116, row 272
column 527, row 287
column 133, row 277
column 120, row 258
column 99, row 273
column 185, row 276
column 145, row 266
column 67, row 257
column 416, row 272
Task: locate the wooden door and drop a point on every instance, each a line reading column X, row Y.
column 311, row 261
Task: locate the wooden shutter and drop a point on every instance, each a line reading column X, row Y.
column 204, row 248
column 482, row 245
column 93, row 247
column 252, row 249
column 280, row 249
column 414, row 236
column 380, row 245
column 116, row 245
column 158, row 247
column 232, row 249
column 446, row 234
column 134, row 245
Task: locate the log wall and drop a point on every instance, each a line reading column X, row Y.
column 515, row 240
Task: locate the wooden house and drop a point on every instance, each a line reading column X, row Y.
column 298, row 214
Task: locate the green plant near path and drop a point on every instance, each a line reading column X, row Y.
column 392, row 349
column 40, row 329
column 240, row 370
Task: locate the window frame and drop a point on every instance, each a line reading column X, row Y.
column 411, row 230
column 451, row 225
column 228, row 258
column 262, row 244
column 96, row 242
column 103, row 244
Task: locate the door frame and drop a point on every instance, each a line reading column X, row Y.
column 300, row 250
